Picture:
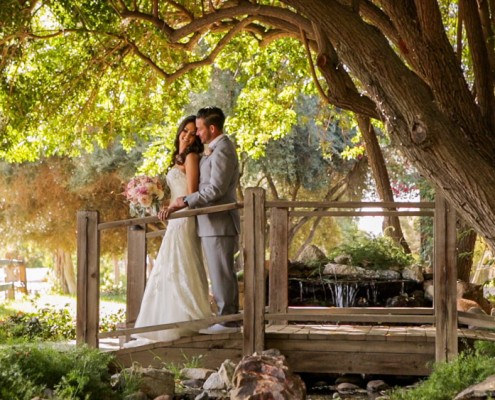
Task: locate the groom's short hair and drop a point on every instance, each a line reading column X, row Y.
column 212, row 116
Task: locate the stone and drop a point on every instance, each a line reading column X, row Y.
column 164, row 397
column 481, row 391
column 342, row 270
column 196, row 373
column 264, row 376
column 343, row 259
column 136, row 396
column 214, row 382
column 193, row 383
column 348, row 388
column 155, row 382
column 311, row 253
column 376, row 385
column 413, row 273
column 226, row 372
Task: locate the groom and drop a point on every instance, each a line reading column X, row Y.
column 219, row 174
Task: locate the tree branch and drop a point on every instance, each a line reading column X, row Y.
column 312, row 68
column 483, row 80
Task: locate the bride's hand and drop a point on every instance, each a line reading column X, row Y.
column 163, row 214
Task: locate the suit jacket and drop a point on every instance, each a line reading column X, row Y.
column 219, row 174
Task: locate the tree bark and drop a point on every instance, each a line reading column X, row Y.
column 465, row 251
column 382, row 180
column 428, row 111
column 64, row 271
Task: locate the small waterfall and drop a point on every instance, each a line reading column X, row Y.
column 372, row 293
column 343, row 293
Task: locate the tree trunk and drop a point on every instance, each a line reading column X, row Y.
column 382, row 180
column 428, row 109
column 465, row 249
column 64, row 271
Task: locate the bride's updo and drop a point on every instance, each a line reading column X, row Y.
column 195, row 147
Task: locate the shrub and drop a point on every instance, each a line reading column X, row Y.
column 448, row 379
column 373, row 252
column 76, row 373
column 47, row 324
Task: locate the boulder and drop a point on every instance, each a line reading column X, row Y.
column 266, row 376
column 311, row 253
column 481, row 391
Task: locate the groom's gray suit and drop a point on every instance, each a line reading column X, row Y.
column 219, row 174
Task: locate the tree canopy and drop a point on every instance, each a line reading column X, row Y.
column 79, row 73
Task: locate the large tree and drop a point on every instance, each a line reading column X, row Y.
column 424, row 68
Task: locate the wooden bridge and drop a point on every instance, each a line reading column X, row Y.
column 397, row 341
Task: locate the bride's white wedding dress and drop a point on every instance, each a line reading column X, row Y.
column 177, row 288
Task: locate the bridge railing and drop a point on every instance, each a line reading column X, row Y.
column 257, row 308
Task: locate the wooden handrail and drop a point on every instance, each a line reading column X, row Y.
column 347, row 204
column 177, row 214
column 186, row 324
column 375, row 318
column 323, row 213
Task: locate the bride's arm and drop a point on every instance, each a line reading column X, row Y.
column 192, row 172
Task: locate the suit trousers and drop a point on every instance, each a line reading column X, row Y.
column 219, row 252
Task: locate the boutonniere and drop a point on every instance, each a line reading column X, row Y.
column 208, row 152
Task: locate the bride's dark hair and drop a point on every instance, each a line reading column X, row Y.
column 195, row 147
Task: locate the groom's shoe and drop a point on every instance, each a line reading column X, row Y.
column 219, row 328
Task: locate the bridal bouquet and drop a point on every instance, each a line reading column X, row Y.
column 144, row 195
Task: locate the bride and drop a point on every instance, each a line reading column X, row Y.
column 177, row 288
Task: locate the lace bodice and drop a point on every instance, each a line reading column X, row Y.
column 176, row 181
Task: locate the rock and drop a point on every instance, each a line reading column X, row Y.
column 480, row 391
column 266, row 377
column 413, row 273
column 311, row 253
column 356, row 380
column 384, row 275
column 428, row 288
column 215, row 382
column 196, row 373
column 226, row 373
column 164, row 397
column 348, row 388
column 136, row 396
column 342, row 270
column 153, row 382
column 343, row 259
column 193, row 383
column 376, row 386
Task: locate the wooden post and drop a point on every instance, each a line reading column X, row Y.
column 136, row 270
column 22, row 277
column 10, row 277
column 88, row 278
column 445, row 282
column 254, row 274
column 279, row 256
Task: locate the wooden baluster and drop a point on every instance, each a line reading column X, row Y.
column 136, row 270
column 279, row 256
column 254, row 274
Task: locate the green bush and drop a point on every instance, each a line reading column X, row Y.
column 76, row 373
column 448, row 379
column 373, row 252
column 47, row 324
